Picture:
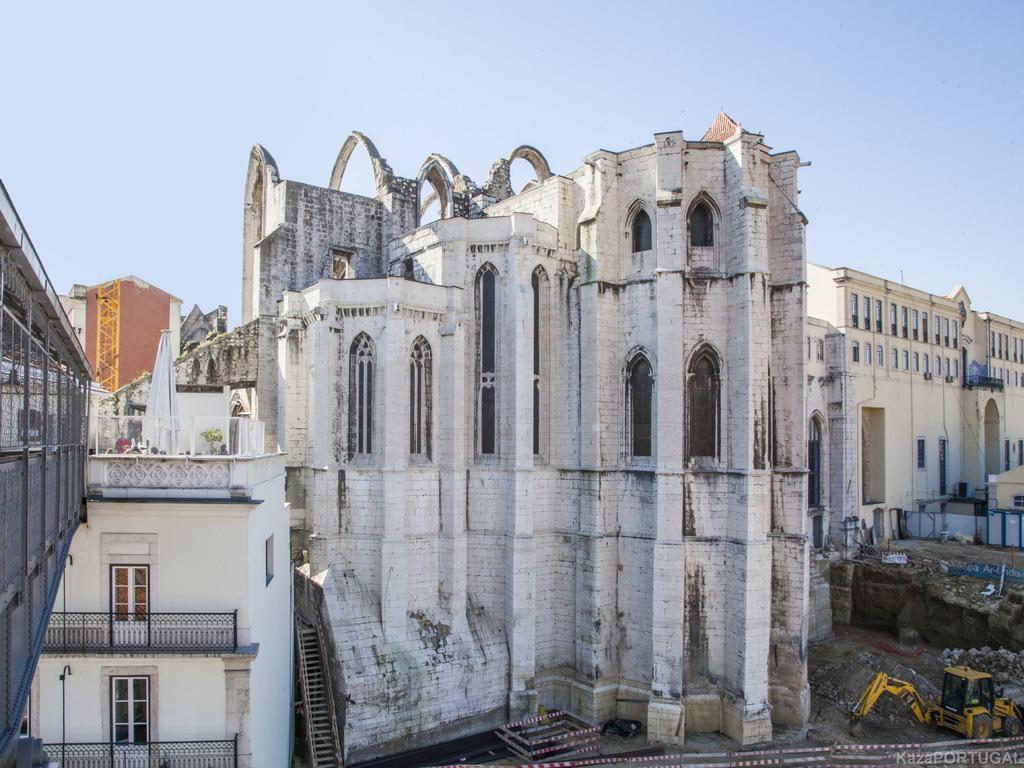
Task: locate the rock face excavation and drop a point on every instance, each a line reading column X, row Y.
column 549, row 448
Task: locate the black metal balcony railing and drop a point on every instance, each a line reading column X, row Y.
column 165, row 754
column 154, row 632
column 990, row 382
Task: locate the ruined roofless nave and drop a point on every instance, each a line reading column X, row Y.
column 547, row 449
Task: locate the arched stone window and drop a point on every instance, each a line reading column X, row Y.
column 703, row 411
column 487, row 337
column 641, row 231
column 702, row 225
column 360, row 409
column 419, row 398
column 539, row 286
column 814, row 469
column 640, row 406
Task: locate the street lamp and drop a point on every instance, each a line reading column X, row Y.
column 66, row 673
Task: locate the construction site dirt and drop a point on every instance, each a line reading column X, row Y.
column 909, row 620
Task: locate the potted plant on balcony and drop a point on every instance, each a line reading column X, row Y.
column 213, row 438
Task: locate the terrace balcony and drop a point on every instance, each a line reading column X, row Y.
column 195, row 457
column 141, row 633
column 975, row 381
column 166, row 754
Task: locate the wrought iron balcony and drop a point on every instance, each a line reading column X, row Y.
column 985, row 382
column 142, row 633
column 166, row 754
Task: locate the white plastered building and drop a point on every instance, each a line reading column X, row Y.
column 171, row 637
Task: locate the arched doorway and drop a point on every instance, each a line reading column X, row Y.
column 991, row 439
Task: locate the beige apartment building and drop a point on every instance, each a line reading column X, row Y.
column 914, row 400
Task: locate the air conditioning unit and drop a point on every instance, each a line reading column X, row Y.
column 965, row 490
column 927, row 376
column 950, row 379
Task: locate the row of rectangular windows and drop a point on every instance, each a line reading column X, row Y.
column 903, row 321
column 952, row 365
column 1000, row 347
column 1007, row 444
column 1016, row 380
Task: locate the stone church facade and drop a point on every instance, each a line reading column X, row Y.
column 548, row 449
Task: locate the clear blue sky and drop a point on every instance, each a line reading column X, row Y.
column 127, row 128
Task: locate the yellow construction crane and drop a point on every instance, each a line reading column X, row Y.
column 969, row 704
column 108, row 304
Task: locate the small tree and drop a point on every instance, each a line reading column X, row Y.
column 213, row 437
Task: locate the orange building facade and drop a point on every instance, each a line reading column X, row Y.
column 119, row 324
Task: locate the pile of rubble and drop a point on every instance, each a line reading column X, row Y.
column 844, row 681
column 1005, row 666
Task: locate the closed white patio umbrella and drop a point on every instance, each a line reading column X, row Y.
column 160, row 427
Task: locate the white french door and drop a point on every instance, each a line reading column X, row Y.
column 130, row 604
column 129, row 721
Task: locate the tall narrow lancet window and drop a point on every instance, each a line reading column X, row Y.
column 814, row 464
column 639, row 397
column 419, row 398
column 539, row 284
column 703, row 405
column 641, row 231
column 361, row 395
column 702, row 226
column 487, row 316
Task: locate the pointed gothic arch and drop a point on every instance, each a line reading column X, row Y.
column 261, row 176
column 362, row 371
column 420, row 398
column 639, row 227
column 437, row 171
column 703, row 403
column 815, row 460
column 703, row 222
column 533, row 156
column 639, row 378
column 381, row 170
column 487, row 300
column 540, row 287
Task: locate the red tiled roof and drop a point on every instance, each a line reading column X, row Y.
column 722, row 129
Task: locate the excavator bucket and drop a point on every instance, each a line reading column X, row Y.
column 856, row 727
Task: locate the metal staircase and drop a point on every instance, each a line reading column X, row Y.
column 322, row 740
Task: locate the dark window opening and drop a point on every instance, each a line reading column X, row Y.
column 487, row 308
column 341, row 264
column 268, row 558
column 408, row 269
column 535, row 284
column 702, row 225
column 419, row 398
column 920, row 453
column 641, row 385
column 641, row 231
column 487, row 420
column 814, row 465
column 487, row 322
column 361, row 401
column 942, row 466
column 703, row 406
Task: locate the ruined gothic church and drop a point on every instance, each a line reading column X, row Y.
column 549, row 448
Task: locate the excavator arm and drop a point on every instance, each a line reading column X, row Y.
column 882, row 684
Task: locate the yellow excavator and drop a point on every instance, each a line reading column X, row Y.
column 969, row 704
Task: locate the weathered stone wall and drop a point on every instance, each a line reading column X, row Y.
column 462, row 589
column 227, row 360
